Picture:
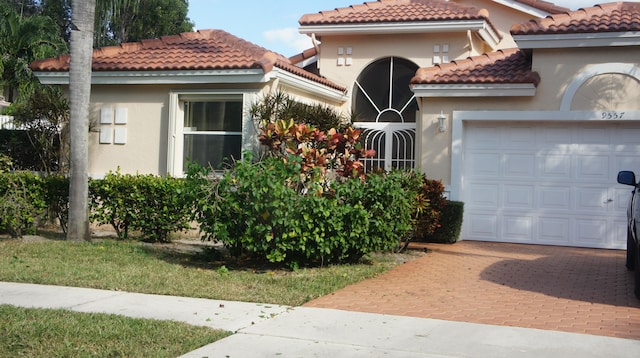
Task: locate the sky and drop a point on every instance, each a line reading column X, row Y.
column 273, row 24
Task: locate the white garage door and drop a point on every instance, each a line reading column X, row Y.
column 548, row 183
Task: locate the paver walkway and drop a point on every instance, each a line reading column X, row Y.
column 545, row 287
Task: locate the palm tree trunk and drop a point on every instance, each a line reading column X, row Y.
column 82, row 16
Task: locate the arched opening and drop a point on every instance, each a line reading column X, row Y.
column 385, row 108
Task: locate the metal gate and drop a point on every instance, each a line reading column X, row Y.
column 394, row 143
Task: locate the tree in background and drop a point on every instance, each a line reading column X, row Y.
column 23, row 8
column 24, row 39
column 119, row 21
column 82, row 19
column 43, row 115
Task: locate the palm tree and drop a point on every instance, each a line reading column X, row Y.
column 22, row 41
column 82, row 18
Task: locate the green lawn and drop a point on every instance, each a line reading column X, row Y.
column 159, row 269
column 132, row 266
column 30, row 332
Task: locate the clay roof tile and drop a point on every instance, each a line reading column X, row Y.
column 611, row 17
column 502, row 66
column 201, row 50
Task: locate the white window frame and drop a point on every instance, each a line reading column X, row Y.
column 177, row 100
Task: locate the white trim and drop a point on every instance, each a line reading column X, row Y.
column 475, row 90
column 523, row 8
column 307, row 61
column 158, row 77
column 460, row 117
column 594, row 70
column 176, row 122
column 307, row 86
column 600, row 39
column 393, row 27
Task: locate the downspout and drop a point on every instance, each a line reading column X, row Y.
column 470, row 38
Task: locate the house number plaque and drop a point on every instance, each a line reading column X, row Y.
column 612, row 115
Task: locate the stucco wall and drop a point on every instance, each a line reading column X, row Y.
column 146, row 129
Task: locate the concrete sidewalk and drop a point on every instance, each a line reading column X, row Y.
column 263, row 330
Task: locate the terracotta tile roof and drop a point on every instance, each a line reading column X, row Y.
column 502, row 66
column 201, row 50
column 611, row 17
column 545, row 6
column 308, row 53
column 394, row 11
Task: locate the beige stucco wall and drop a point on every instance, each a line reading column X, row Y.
column 558, row 69
column 147, row 128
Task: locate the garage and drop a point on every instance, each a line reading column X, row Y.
column 547, row 182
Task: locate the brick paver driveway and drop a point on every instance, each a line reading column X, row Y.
column 546, row 287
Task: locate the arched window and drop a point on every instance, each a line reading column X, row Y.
column 382, row 92
column 385, row 108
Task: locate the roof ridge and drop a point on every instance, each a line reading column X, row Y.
column 447, row 10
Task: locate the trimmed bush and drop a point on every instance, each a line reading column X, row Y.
column 21, row 202
column 155, row 206
column 450, row 224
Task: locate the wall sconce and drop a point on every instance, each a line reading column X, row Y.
column 442, row 122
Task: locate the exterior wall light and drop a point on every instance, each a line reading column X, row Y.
column 442, row 122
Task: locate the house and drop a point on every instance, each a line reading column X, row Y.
column 524, row 109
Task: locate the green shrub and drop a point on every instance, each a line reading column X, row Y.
column 57, row 199
column 267, row 210
column 155, row 206
column 5, row 163
column 389, row 200
column 450, row 224
column 21, row 202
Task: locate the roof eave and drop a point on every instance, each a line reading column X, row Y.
column 158, row 77
column 308, row 86
column 396, row 27
column 475, row 90
column 599, row 39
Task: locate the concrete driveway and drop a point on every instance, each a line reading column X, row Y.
column 546, row 287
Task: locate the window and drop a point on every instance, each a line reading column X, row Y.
column 208, row 128
column 382, row 92
column 212, row 132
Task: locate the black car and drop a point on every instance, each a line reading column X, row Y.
column 633, row 226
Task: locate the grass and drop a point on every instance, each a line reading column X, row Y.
column 132, row 266
column 30, row 332
column 159, row 269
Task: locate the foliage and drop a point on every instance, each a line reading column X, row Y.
column 43, row 112
column 16, row 146
column 156, row 206
column 450, row 224
column 24, row 39
column 21, row 202
column 6, row 164
column 56, row 196
column 340, row 151
column 431, row 202
column 277, row 106
column 389, row 201
column 259, row 209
